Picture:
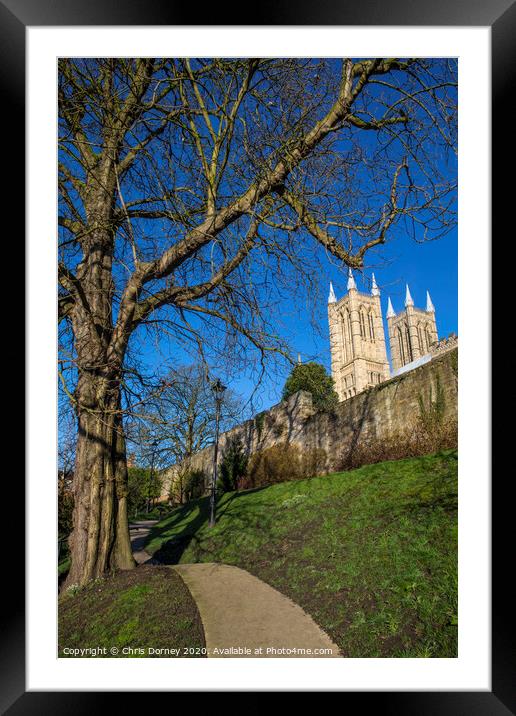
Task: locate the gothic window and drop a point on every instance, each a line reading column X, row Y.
column 346, row 338
column 401, row 345
column 344, row 341
column 371, row 326
column 421, row 337
column 428, row 337
column 409, row 345
column 362, row 325
column 347, row 319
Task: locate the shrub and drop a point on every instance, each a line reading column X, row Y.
column 259, row 421
column 281, row 463
column 314, row 462
column 194, row 485
column 233, row 466
column 274, row 464
column 143, row 485
column 423, row 439
column 313, row 378
column 431, row 432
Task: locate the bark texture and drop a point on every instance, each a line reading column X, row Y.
column 100, row 538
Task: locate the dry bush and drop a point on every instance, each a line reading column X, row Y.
column 423, row 439
column 314, row 462
column 281, row 463
column 431, row 432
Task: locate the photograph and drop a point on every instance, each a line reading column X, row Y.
column 257, row 360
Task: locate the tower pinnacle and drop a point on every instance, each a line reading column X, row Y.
column 375, row 291
column 429, row 305
column 332, row 298
column 408, row 297
column 390, row 310
column 351, row 280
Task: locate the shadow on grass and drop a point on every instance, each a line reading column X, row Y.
column 172, row 549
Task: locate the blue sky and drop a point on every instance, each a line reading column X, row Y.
column 428, row 266
column 424, row 266
column 298, row 317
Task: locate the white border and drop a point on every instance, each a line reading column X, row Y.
column 471, row 671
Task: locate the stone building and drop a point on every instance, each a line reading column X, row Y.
column 357, row 341
column 376, row 405
column 387, row 413
column 357, row 338
column 412, row 332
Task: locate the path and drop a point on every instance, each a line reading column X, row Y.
column 138, row 532
column 239, row 610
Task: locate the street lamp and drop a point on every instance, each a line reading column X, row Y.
column 218, row 392
column 154, row 445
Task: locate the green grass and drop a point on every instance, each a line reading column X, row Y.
column 137, row 610
column 371, row 554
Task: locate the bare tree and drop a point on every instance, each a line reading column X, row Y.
column 190, row 191
column 178, row 417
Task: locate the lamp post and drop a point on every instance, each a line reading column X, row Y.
column 218, row 392
column 154, row 445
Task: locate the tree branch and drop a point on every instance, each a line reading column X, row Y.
column 330, row 243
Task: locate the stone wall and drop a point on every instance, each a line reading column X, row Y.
column 383, row 412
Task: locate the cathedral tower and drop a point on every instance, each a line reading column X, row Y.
column 357, row 343
column 411, row 332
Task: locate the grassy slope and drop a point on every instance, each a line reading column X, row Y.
column 140, row 608
column 371, row 554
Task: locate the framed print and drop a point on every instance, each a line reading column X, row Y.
column 266, row 441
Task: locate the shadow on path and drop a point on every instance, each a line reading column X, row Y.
column 138, row 532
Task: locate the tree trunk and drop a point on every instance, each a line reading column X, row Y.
column 100, row 538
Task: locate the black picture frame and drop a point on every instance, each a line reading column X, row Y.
column 500, row 15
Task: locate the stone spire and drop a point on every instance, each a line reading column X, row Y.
column 375, row 291
column 332, row 297
column 429, row 305
column 390, row 310
column 408, row 297
column 351, row 280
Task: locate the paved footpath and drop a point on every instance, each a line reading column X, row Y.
column 239, row 610
column 138, row 532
